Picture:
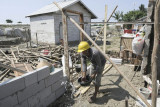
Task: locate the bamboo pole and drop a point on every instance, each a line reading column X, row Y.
column 155, row 54
column 105, row 32
column 87, row 36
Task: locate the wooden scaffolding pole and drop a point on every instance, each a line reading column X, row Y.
column 105, row 32
column 155, row 53
column 127, row 80
column 107, row 21
column 65, row 39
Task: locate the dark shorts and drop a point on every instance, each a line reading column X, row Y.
column 97, row 80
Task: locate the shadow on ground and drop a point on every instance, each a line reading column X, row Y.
column 117, row 94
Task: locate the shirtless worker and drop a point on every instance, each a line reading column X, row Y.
column 97, row 61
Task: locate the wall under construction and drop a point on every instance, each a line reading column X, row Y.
column 37, row 88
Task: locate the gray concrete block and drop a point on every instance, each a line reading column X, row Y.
column 44, row 93
column 30, row 90
column 57, row 85
column 39, row 97
column 23, row 104
column 9, row 87
column 48, row 100
column 59, row 92
column 30, row 78
column 33, row 101
column 43, row 72
column 54, row 77
column 9, row 101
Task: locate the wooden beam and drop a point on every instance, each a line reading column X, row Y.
column 107, row 21
column 155, row 53
column 65, row 39
column 74, row 12
column 13, row 55
column 127, row 23
column 105, row 32
column 82, row 26
column 12, row 68
column 116, row 67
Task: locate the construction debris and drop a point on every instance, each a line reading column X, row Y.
column 29, row 59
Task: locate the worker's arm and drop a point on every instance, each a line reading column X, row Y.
column 84, row 63
column 84, row 66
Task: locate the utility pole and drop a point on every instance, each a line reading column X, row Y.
column 155, row 53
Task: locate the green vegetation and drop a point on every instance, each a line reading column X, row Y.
column 9, row 21
column 131, row 15
column 19, row 22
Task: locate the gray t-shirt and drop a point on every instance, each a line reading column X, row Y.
column 97, row 59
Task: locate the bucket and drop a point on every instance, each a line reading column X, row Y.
column 87, row 83
column 145, row 92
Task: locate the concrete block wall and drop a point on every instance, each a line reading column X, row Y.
column 35, row 89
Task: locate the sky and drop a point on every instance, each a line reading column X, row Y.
column 16, row 10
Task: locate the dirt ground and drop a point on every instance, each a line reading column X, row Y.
column 113, row 91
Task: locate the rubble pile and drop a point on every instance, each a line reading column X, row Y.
column 27, row 59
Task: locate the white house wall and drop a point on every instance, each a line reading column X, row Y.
column 43, row 26
column 73, row 31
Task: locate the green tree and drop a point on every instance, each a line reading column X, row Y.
column 142, row 8
column 9, row 21
column 134, row 15
column 19, row 22
column 118, row 16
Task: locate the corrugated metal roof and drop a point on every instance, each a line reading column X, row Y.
column 63, row 4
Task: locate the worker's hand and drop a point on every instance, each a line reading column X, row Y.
column 93, row 76
column 83, row 79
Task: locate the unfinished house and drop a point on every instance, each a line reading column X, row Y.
column 46, row 23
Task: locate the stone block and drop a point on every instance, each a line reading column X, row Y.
column 54, row 77
column 33, row 101
column 60, row 92
column 57, row 85
column 30, row 91
column 48, row 100
column 9, row 87
column 43, row 72
column 44, row 93
column 9, row 101
column 30, row 78
column 39, row 97
column 22, row 104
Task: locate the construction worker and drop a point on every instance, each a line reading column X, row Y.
column 97, row 61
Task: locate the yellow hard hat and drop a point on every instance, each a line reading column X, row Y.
column 83, row 46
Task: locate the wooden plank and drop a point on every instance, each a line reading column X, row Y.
column 4, row 74
column 155, row 53
column 13, row 55
column 84, row 90
column 105, row 32
column 107, row 69
column 5, row 55
column 12, row 68
column 82, row 26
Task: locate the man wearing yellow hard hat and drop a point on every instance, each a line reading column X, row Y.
column 98, row 62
